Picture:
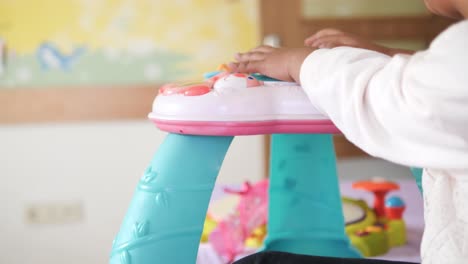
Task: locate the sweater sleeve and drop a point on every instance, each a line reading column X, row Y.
column 412, row 110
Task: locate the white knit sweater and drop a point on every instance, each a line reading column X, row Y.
column 411, row 110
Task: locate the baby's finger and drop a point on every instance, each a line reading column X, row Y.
column 322, row 33
column 233, row 66
column 250, row 56
column 330, row 45
column 243, row 67
column 264, row 48
column 330, row 41
column 250, row 67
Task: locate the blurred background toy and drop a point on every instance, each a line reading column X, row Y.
column 245, row 224
column 373, row 231
column 383, row 227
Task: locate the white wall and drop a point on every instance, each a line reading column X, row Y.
column 97, row 164
column 368, row 168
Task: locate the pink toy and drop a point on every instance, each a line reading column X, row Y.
column 237, row 104
column 219, row 82
column 190, row 90
column 228, row 239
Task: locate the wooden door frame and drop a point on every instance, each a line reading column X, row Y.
column 83, row 103
column 281, row 18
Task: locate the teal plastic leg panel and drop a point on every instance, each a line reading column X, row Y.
column 305, row 211
column 417, row 174
column 166, row 215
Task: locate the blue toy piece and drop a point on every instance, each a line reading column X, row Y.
column 305, row 212
column 165, row 219
column 417, row 174
column 394, row 202
column 208, row 75
column 262, row 77
column 257, row 76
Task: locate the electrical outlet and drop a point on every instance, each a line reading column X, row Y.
column 55, row 213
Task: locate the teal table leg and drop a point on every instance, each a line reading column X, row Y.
column 166, row 215
column 305, row 211
column 417, row 174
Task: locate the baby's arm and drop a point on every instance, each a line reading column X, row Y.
column 407, row 109
column 280, row 63
column 331, row 38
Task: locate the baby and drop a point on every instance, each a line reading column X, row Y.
column 410, row 109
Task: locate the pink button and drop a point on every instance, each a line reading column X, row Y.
column 196, row 90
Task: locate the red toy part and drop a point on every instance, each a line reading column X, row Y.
column 394, row 213
column 188, row 90
column 196, row 89
column 380, row 188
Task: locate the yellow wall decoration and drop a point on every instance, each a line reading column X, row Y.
column 82, row 41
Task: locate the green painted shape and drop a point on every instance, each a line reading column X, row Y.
column 96, row 68
column 396, row 233
column 371, row 245
column 417, row 174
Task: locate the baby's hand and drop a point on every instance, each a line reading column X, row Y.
column 331, row 38
column 280, row 63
